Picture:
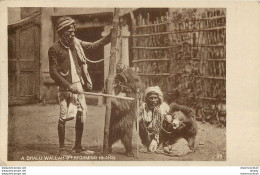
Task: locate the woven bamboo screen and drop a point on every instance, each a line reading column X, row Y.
column 184, row 51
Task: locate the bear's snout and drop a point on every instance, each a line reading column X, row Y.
column 175, row 124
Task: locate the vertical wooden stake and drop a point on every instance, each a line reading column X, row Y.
column 137, row 121
column 110, row 79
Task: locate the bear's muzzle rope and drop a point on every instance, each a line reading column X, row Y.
column 168, row 132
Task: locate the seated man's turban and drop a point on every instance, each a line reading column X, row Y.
column 154, row 89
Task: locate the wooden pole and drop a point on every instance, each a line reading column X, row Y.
column 106, row 95
column 110, row 79
column 137, row 121
column 138, row 91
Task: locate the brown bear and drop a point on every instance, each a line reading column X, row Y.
column 179, row 123
column 123, row 112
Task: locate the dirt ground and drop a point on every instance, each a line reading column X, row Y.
column 32, row 135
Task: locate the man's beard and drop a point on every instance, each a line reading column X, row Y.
column 68, row 41
column 71, row 42
column 152, row 105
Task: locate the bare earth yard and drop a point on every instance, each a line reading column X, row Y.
column 32, row 135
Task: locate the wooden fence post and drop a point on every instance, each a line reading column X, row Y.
column 137, row 121
column 110, row 79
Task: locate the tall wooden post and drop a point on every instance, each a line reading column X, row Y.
column 137, row 121
column 138, row 91
column 110, row 79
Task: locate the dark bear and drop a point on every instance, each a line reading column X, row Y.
column 123, row 112
column 179, row 123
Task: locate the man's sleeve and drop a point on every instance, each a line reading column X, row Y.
column 94, row 45
column 53, row 65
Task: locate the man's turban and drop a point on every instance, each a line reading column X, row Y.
column 154, row 89
column 64, row 22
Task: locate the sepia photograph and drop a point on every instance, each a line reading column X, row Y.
column 116, row 84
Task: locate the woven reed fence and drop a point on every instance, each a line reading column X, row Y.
column 183, row 51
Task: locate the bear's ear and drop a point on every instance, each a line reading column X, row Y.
column 173, row 108
column 189, row 112
column 121, row 78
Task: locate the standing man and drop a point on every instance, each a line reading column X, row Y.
column 68, row 68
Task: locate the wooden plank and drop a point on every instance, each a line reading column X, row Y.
column 28, row 11
column 192, row 20
column 37, row 61
column 205, row 77
column 106, row 95
column 176, row 46
column 17, row 49
column 11, row 66
column 147, row 74
column 183, row 75
column 27, row 66
column 27, row 83
column 180, row 31
column 11, row 45
column 11, row 85
column 25, row 21
column 27, row 44
column 137, row 121
column 184, row 59
column 209, row 98
column 147, row 60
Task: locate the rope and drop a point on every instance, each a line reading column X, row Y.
column 168, row 132
column 100, row 60
column 165, row 130
column 86, row 57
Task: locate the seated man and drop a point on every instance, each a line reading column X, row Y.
column 151, row 115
